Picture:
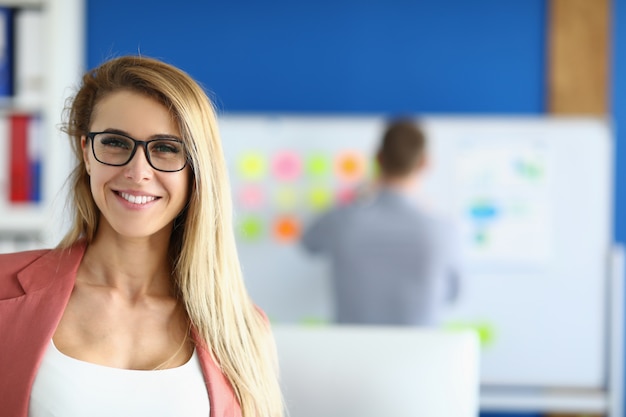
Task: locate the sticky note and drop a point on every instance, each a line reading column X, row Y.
column 250, row 228
column 374, row 168
column 350, row 166
column 286, row 229
column 286, row 198
column 319, row 198
column 286, row 166
column 346, row 195
column 486, row 332
column 318, row 165
column 251, row 196
column 251, row 165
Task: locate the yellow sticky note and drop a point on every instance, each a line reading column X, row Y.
column 320, row 198
column 286, row 198
column 251, row 165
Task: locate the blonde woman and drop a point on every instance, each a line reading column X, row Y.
column 141, row 310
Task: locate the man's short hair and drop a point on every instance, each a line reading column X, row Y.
column 402, row 148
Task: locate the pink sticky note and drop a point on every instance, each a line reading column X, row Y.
column 346, row 195
column 287, row 166
column 250, row 196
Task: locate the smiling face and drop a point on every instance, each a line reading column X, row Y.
column 135, row 200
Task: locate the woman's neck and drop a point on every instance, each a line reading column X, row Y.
column 135, row 267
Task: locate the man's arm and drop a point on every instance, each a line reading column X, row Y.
column 318, row 236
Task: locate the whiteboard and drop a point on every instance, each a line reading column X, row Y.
column 531, row 196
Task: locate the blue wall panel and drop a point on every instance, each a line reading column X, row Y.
column 619, row 115
column 449, row 56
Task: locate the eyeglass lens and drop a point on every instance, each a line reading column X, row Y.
column 115, row 149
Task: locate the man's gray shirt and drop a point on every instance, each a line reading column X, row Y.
column 392, row 263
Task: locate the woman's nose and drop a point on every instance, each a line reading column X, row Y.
column 138, row 168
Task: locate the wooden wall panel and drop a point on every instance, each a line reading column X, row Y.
column 578, row 57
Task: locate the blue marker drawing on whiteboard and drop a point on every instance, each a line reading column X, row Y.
column 504, row 198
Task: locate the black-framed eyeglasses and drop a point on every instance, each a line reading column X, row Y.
column 166, row 154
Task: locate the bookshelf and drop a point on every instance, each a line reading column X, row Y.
column 41, row 224
column 23, row 3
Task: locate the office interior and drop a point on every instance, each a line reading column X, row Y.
column 432, row 58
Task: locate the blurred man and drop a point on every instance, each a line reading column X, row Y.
column 392, row 262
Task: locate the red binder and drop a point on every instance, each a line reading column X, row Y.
column 20, row 173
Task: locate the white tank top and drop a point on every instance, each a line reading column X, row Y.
column 69, row 387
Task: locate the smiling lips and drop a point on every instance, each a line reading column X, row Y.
column 137, row 199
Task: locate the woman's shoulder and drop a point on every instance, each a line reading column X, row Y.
column 11, row 264
column 16, row 261
column 31, row 270
column 19, row 260
column 25, row 258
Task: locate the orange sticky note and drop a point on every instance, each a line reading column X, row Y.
column 350, row 166
column 286, row 229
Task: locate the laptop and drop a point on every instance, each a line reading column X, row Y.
column 363, row 371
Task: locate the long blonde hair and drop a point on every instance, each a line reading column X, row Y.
column 206, row 268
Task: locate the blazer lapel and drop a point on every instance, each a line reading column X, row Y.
column 222, row 399
column 29, row 321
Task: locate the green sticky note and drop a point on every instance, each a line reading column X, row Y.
column 486, row 332
column 251, row 228
column 317, row 165
column 374, row 168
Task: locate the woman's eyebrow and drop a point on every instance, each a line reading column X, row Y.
column 151, row 137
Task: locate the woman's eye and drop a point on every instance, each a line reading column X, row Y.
column 166, row 147
column 115, row 142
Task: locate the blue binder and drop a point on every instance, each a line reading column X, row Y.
column 6, row 52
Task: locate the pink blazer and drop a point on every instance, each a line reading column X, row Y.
column 35, row 287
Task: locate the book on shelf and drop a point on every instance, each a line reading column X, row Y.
column 22, row 77
column 6, row 52
column 35, row 139
column 28, row 55
column 24, row 149
column 19, row 173
column 5, row 161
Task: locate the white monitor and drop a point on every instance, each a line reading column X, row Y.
column 362, row 371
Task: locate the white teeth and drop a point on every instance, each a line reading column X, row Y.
column 139, row 199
